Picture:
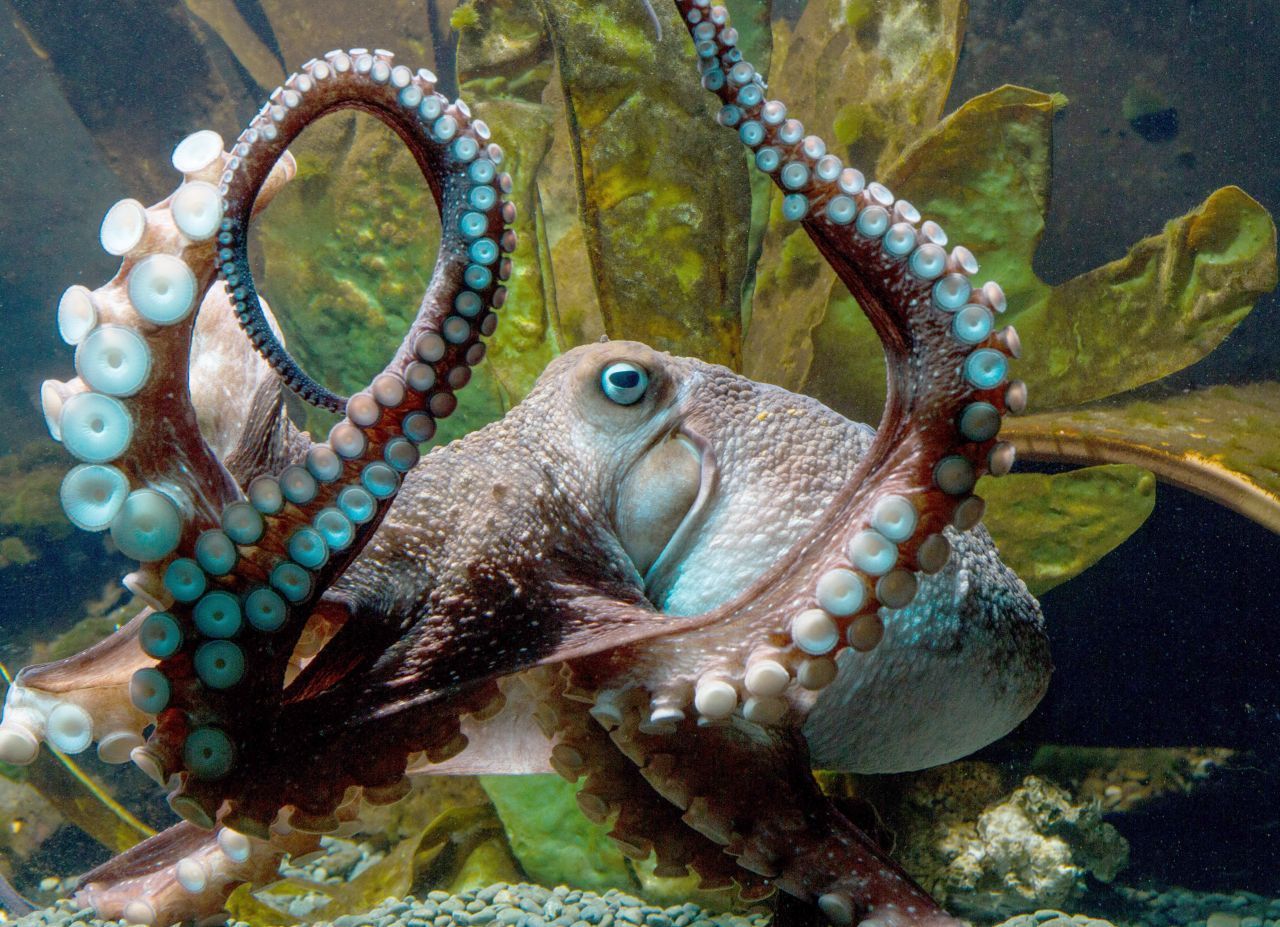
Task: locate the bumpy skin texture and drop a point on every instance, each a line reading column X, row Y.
column 685, row 586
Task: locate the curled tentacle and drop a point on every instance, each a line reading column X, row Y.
column 948, row 389
column 443, row 139
column 245, row 592
column 234, row 583
column 156, row 439
column 84, row 698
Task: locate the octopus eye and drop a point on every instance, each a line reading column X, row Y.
column 624, row 383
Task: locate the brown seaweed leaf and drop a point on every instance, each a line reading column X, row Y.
column 879, row 74
column 505, row 62
column 664, row 207
column 1222, row 442
column 1052, row 528
column 1172, row 299
column 984, row 174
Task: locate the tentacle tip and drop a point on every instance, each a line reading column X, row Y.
column 148, row 586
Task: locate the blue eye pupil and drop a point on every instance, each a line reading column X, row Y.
column 624, row 383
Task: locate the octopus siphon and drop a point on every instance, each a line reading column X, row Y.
column 684, row 588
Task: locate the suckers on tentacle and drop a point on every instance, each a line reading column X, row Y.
column 265, row 570
column 240, row 577
column 679, row 698
column 948, row 389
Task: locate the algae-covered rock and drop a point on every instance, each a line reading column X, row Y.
column 987, row 847
column 1032, row 850
column 29, row 481
column 1121, row 780
column 1047, row 917
column 15, row 552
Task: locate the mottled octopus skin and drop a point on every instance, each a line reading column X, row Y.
column 689, row 598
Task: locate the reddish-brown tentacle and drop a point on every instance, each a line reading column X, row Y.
column 615, row 792
column 947, row 365
column 241, row 578
column 184, row 873
column 259, row 577
column 948, row 390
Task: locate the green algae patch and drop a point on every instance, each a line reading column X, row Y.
column 31, row 516
column 879, row 71
column 29, row 481
column 464, row 17
column 347, row 249
column 555, row 844
column 1222, row 442
column 662, row 190
column 1052, row 528
column 1169, row 302
column 551, row 838
column 15, row 552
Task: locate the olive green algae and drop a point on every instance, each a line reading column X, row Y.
column 665, row 204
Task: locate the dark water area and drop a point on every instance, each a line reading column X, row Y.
column 1110, row 185
column 1171, row 639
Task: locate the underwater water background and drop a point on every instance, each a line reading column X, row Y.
column 1169, row 641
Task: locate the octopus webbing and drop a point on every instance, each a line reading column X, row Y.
column 682, row 587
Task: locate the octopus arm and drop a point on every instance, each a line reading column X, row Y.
column 241, row 525
column 184, row 872
column 749, row 791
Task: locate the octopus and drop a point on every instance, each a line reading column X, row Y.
column 682, row 588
